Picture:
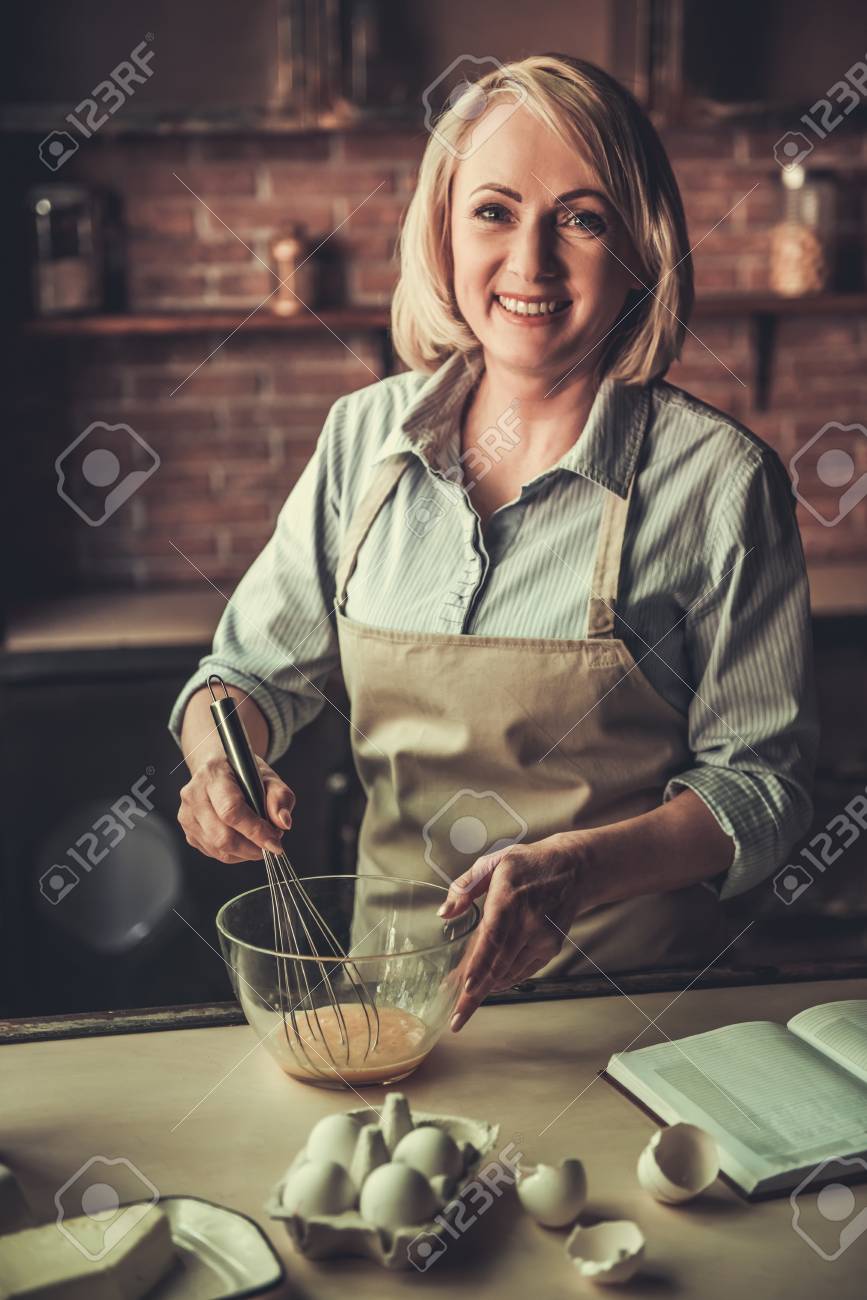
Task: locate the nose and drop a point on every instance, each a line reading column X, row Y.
column 532, row 252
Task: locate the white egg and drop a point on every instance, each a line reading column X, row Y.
column 397, row 1196
column 430, row 1151
column 334, row 1138
column 554, row 1196
column 318, row 1187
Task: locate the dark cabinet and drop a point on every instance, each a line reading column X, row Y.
column 90, row 782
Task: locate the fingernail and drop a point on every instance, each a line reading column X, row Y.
column 285, row 820
column 274, row 847
column 456, row 1021
column 446, row 907
column 470, row 984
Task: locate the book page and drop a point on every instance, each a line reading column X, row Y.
column 839, row 1030
column 760, row 1090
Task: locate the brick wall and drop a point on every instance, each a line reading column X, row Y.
column 234, row 433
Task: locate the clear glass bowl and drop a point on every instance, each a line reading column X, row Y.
column 401, row 956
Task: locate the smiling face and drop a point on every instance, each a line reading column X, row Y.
column 542, row 262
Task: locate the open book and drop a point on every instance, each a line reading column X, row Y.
column 778, row 1099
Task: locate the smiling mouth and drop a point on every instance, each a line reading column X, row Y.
column 537, row 309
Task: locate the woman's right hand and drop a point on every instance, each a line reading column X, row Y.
column 218, row 821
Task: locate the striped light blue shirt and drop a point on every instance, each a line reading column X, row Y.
column 713, row 599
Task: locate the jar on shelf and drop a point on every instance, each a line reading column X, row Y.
column 295, row 264
column 803, row 243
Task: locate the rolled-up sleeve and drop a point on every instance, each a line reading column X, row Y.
column 753, row 719
column 276, row 639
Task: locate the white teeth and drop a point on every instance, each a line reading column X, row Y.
column 521, row 308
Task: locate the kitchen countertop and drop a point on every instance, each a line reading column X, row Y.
column 187, row 616
column 206, row 1112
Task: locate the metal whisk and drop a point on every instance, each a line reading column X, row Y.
column 300, row 929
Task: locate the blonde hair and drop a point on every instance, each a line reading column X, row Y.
column 594, row 114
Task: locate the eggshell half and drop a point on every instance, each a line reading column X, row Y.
column 553, row 1196
column 607, row 1252
column 678, row 1163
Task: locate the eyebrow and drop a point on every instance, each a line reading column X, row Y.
column 519, row 198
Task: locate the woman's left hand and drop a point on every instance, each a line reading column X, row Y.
column 535, row 891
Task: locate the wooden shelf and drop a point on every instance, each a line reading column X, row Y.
column 774, row 304
column 839, row 588
column 378, row 318
column 201, row 322
column 113, row 620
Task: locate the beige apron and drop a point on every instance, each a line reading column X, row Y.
column 448, row 731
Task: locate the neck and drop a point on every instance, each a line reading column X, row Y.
column 551, row 413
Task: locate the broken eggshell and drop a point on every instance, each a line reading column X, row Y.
column 553, row 1195
column 678, row 1163
column 607, row 1252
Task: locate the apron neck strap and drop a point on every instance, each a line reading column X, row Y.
column 606, row 571
column 384, row 481
column 609, row 547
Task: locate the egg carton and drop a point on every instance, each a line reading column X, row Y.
column 327, row 1236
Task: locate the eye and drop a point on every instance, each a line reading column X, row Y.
column 586, row 222
column 490, row 207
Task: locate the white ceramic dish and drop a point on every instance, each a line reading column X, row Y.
column 222, row 1255
column 325, row 1236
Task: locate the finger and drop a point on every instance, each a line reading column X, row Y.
column 197, row 838
column 470, row 885
column 223, row 842
column 493, row 956
column 526, row 971
column 523, row 960
column 279, row 801
column 232, row 809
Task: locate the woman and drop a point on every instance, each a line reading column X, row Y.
column 569, row 600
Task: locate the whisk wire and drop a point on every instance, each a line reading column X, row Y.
column 302, row 935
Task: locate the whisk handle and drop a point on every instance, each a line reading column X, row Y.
column 236, row 743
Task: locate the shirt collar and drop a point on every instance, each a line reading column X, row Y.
column 606, row 451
